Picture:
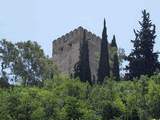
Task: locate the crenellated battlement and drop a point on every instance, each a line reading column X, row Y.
column 68, row 36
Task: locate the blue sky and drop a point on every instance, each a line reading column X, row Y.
column 45, row 20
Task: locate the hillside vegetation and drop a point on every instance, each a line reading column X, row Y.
column 63, row 98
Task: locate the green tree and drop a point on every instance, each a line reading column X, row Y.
column 8, row 54
column 48, row 68
column 115, row 67
column 24, row 62
column 27, row 67
column 82, row 68
column 104, row 68
column 142, row 59
column 113, row 42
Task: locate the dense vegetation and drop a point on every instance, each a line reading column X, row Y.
column 63, row 98
column 24, row 63
column 142, row 59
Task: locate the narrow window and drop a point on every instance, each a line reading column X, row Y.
column 61, row 49
column 70, row 44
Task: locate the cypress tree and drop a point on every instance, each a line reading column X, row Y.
column 104, row 68
column 142, row 59
column 113, row 42
column 115, row 66
column 82, row 68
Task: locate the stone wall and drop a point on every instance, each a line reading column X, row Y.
column 66, row 50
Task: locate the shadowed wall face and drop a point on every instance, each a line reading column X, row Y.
column 66, row 50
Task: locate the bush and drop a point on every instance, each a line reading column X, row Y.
column 63, row 98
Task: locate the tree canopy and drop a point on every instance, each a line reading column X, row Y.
column 104, row 67
column 143, row 60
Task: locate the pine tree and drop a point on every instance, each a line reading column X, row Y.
column 82, row 68
column 142, row 59
column 104, row 68
column 115, row 66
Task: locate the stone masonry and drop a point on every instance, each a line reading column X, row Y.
column 66, row 50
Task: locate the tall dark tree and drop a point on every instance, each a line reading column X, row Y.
column 115, row 66
column 113, row 42
column 143, row 60
column 104, row 68
column 82, row 68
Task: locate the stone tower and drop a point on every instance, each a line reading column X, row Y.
column 66, row 50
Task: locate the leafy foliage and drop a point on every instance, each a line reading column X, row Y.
column 142, row 59
column 8, row 55
column 63, row 98
column 24, row 62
